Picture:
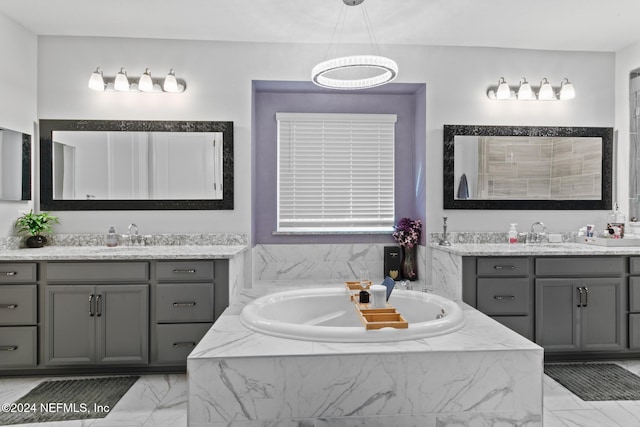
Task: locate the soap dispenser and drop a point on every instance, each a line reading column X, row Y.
column 112, row 239
column 513, row 234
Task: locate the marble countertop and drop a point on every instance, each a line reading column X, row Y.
column 533, row 249
column 229, row 338
column 104, row 253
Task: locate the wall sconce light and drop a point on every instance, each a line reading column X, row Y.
column 545, row 92
column 146, row 83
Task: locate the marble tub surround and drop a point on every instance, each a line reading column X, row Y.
column 483, row 373
column 89, row 239
column 324, row 262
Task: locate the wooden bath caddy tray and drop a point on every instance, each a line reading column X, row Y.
column 375, row 318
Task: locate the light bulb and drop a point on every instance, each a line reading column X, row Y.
column 566, row 90
column 503, row 91
column 170, row 82
column 546, row 91
column 145, row 84
column 96, row 81
column 122, row 82
column 525, row 92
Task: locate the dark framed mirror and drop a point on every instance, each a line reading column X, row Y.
column 136, row 165
column 527, row 167
column 15, row 165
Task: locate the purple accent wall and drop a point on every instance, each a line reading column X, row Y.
column 420, row 158
column 405, row 100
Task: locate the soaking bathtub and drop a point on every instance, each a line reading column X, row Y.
column 327, row 314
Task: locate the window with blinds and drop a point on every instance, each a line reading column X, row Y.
column 335, row 172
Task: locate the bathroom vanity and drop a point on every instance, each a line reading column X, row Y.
column 99, row 309
column 577, row 301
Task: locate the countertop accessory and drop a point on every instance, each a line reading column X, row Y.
column 444, row 241
column 372, row 317
column 36, row 225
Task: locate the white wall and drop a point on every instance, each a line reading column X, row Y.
column 17, row 97
column 219, row 78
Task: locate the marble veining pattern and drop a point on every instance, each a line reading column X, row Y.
column 240, row 377
column 446, row 274
column 323, row 262
column 161, row 246
column 224, row 239
column 533, row 249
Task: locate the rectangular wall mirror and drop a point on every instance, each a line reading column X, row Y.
column 520, row 167
column 127, row 165
column 15, row 165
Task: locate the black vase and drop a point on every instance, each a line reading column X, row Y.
column 36, row 241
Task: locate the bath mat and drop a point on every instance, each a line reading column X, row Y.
column 596, row 381
column 63, row 400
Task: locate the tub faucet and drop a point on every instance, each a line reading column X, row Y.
column 134, row 237
column 537, row 237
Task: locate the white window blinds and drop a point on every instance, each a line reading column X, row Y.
column 335, row 172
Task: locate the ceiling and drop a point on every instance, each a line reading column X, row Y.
column 584, row 25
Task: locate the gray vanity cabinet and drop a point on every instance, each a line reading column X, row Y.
column 104, row 322
column 18, row 315
column 574, row 314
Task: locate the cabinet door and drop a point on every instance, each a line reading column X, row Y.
column 69, row 326
column 602, row 315
column 557, row 326
column 122, row 313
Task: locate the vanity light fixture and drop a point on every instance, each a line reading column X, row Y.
column 121, row 84
column 96, row 81
column 525, row 92
column 546, row 92
column 146, row 83
column 356, row 71
column 503, row 92
column 566, row 90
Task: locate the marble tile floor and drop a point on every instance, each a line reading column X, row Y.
column 161, row 401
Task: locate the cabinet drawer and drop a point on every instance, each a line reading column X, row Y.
column 17, row 273
column 634, row 294
column 18, row 346
column 583, row 266
column 507, row 266
column 192, row 271
column 634, row 332
column 503, row 296
column 634, row 265
column 18, row 304
column 175, row 342
column 520, row 324
column 184, row 302
column 97, row 271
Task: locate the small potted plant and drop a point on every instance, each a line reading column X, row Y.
column 36, row 225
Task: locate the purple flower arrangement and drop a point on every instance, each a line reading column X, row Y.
column 407, row 232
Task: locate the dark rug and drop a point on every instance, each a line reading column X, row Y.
column 63, row 400
column 596, row 381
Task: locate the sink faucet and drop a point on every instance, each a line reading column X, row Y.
column 134, row 237
column 537, row 237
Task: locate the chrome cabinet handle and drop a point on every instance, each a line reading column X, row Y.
column 9, row 273
column 184, row 304
column 586, row 297
column 184, row 344
column 504, row 267
column 9, row 306
column 8, row 347
column 504, row 297
column 99, row 305
column 580, row 293
column 91, row 311
column 189, row 271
